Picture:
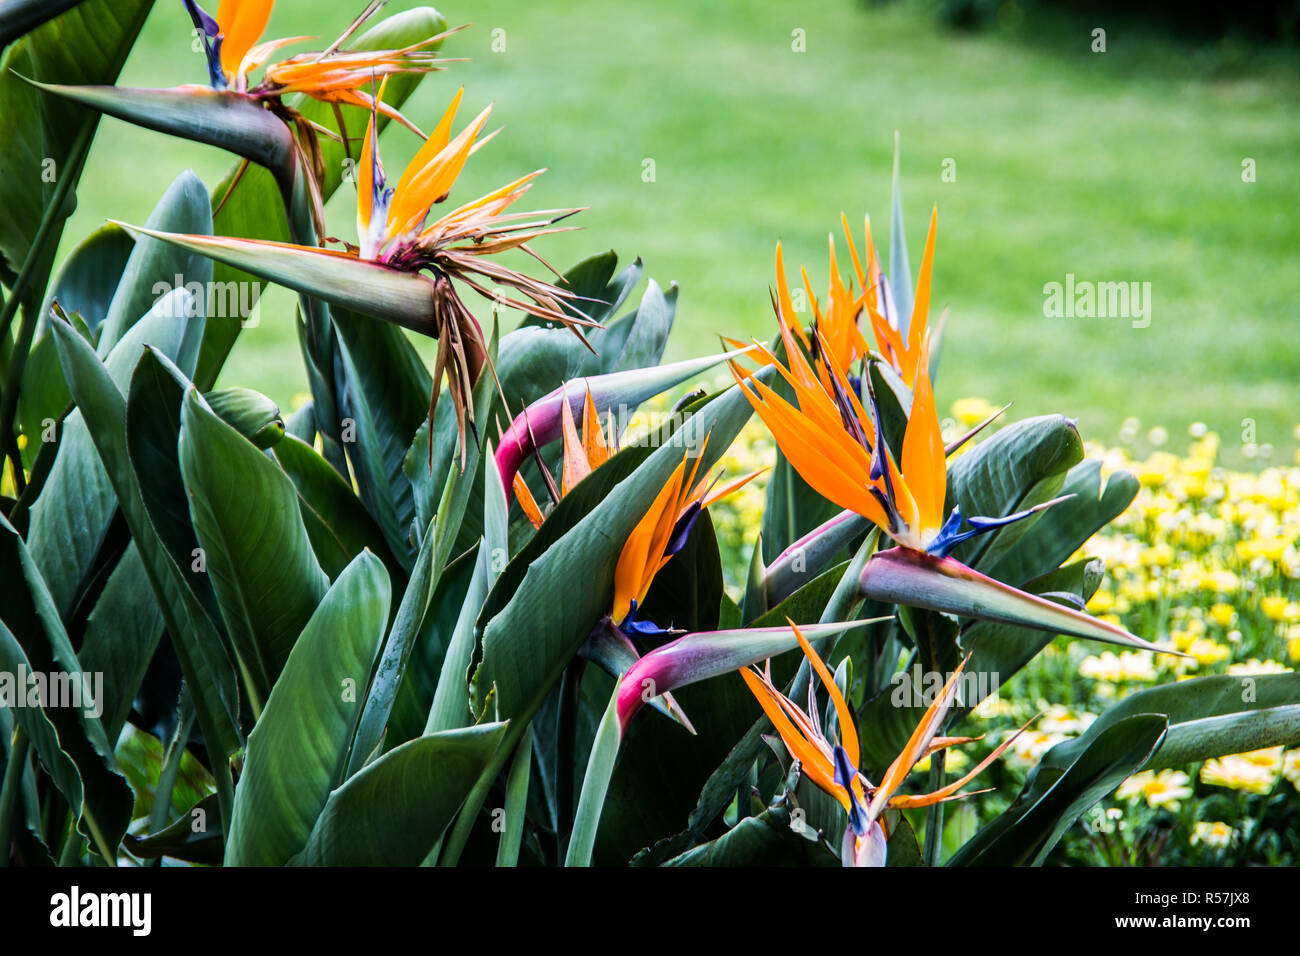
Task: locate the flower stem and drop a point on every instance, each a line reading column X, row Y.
column 934, row 817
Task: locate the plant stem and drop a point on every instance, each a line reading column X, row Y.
column 565, row 730
column 72, row 841
column 162, row 797
column 225, row 792
column 18, row 747
column 934, row 817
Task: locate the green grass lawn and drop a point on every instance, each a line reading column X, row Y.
column 1122, row 166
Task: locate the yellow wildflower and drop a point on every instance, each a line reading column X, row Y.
column 1164, row 789
column 1213, row 833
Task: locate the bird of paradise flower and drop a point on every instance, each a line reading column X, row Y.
column 833, row 766
column 405, row 268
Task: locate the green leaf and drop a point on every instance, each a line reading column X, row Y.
column 337, row 523
column 644, row 332
column 84, row 285
column 183, row 839
column 1208, row 717
column 765, row 840
column 1055, row 797
column 122, row 633
column 1020, row 466
column 393, row 812
column 71, row 517
column 595, row 784
column 250, row 413
column 153, row 425
column 298, row 750
column 207, row 669
column 450, row 706
column 65, row 725
column 259, row 559
column 387, row 395
column 155, row 267
column 1063, row 528
column 410, row 716
column 18, row 17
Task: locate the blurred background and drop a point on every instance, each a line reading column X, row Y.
column 763, row 121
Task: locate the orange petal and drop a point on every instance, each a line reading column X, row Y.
column 917, row 744
column 527, row 502
column 242, row 23
column 921, row 304
column 925, row 466
column 814, row 763
column 848, row 730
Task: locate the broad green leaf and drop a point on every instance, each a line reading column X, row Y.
column 260, row 561
column 646, row 333
column 337, row 522
column 387, row 396
column 64, row 724
column 1055, row 797
column 450, row 706
column 1063, row 528
column 18, row 17
column 153, row 424
column 250, row 413
column 156, row 268
column 207, row 668
column 1208, row 717
column 1020, row 466
column 70, row 519
column 392, row 812
column 84, row 285
column 122, row 633
column 768, row 839
column 299, row 748
column 410, row 715
column 185, row 839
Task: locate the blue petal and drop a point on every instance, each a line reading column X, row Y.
column 845, row 774
column 682, row 530
column 211, row 43
column 630, row 626
column 950, row 535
